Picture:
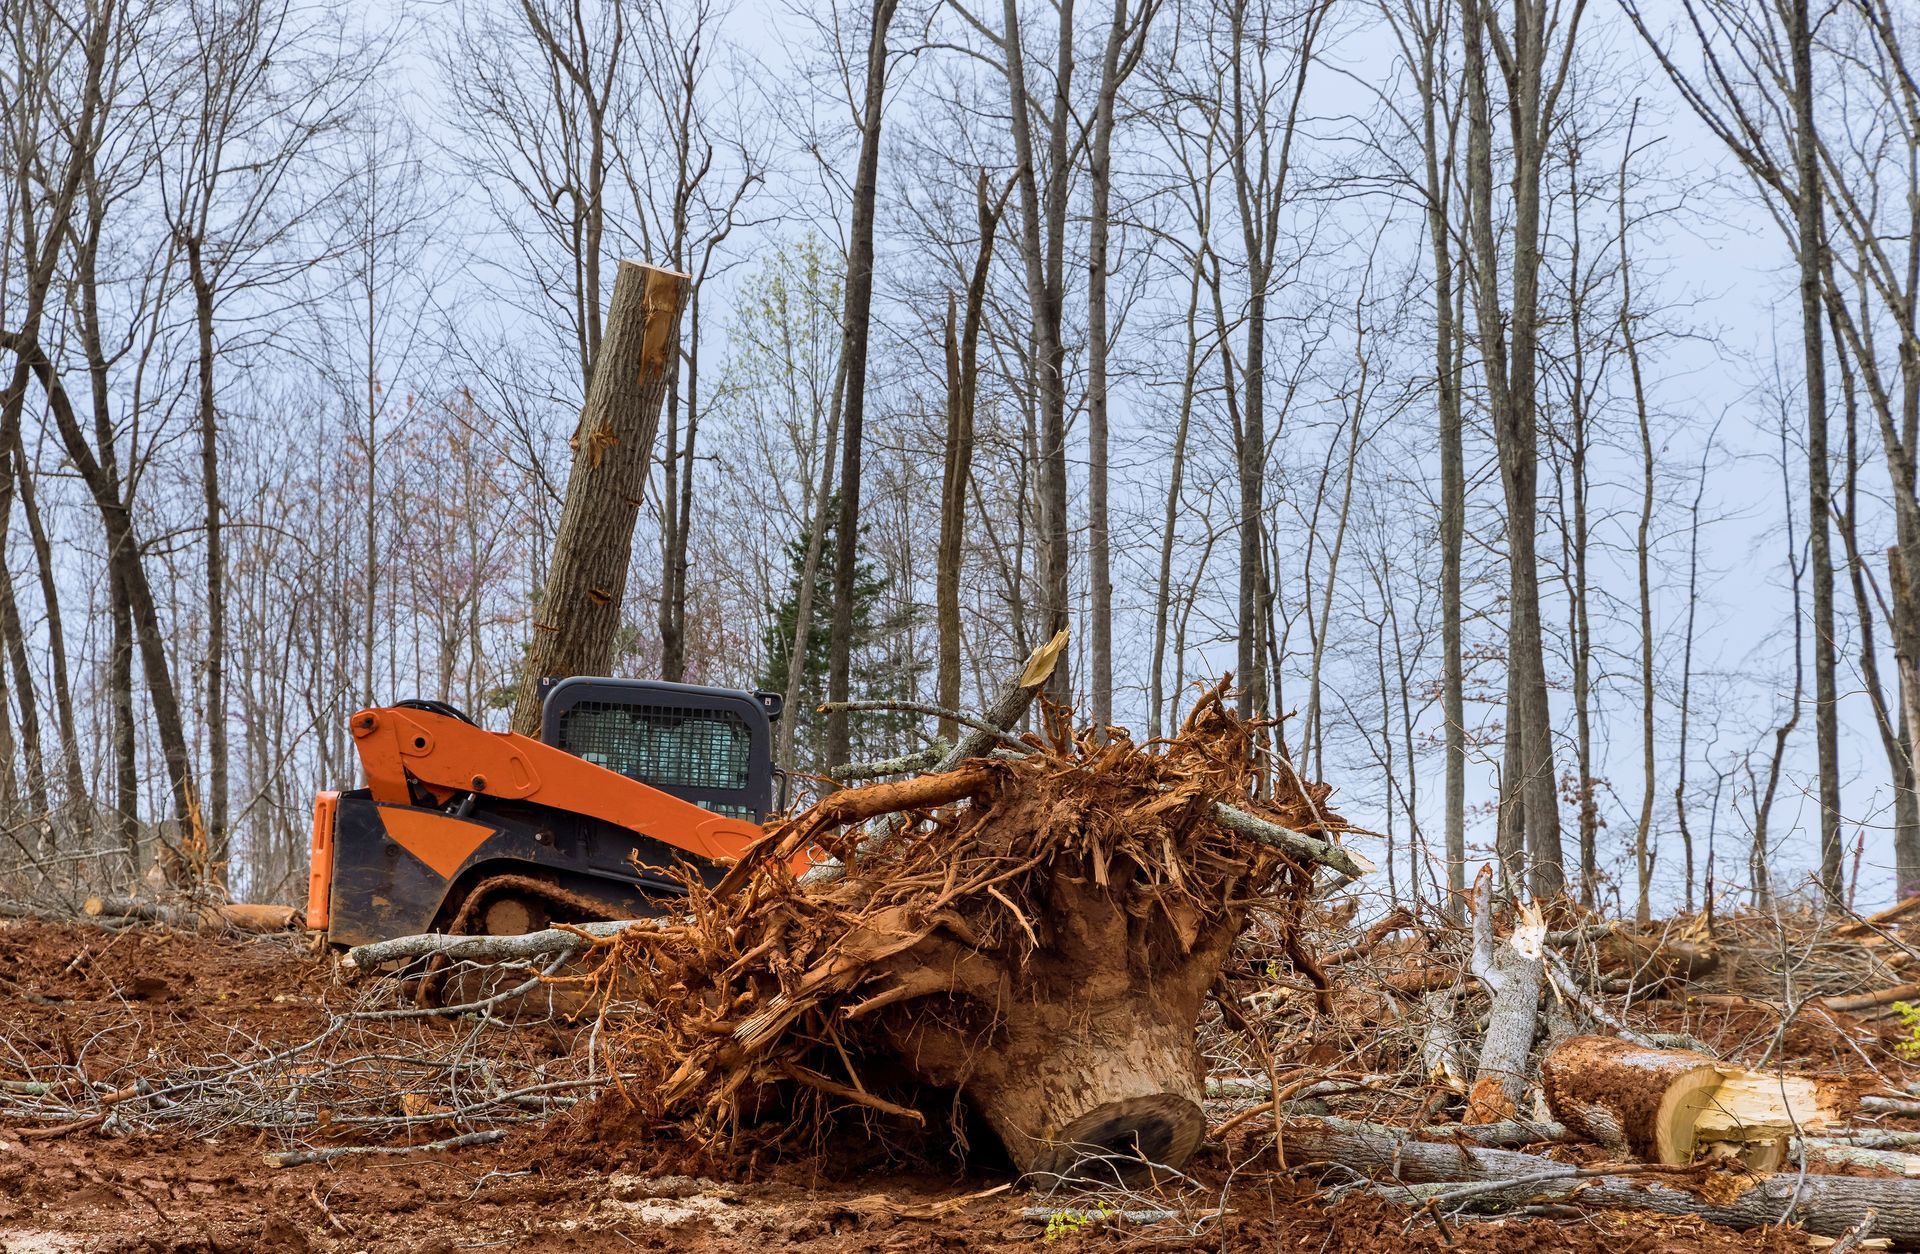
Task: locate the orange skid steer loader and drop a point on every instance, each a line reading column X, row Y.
column 460, row 829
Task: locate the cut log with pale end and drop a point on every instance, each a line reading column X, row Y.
column 201, row 917
column 1673, row 1106
column 1760, row 1109
column 1630, row 1097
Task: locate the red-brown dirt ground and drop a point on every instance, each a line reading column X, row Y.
column 110, row 1003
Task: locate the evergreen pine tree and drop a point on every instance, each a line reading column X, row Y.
column 879, row 670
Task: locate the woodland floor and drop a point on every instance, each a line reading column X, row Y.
column 105, row 1001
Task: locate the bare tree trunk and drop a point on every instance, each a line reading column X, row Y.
column 216, row 564
column 123, row 551
column 1126, row 40
column 1643, row 832
column 854, row 332
column 676, row 503
column 1157, row 698
column 963, row 366
column 24, row 690
column 1686, row 675
column 1810, row 247
column 808, row 592
column 1432, row 80
column 77, row 810
column 123, row 730
column 1532, row 785
column 1042, row 243
column 580, row 604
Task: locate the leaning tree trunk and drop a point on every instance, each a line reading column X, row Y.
column 579, row 612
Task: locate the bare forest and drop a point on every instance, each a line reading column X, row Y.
column 1337, row 582
column 1522, row 403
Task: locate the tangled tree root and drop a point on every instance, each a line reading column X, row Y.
column 1036, row 933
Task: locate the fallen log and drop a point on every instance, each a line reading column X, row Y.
column 1672, row 1106
column 554, row 940
column 1892, row 914
column 1828, row 1205
column 1818, row 1150
column 204, row 917
column 1629, row 1097
column 1870, row 1000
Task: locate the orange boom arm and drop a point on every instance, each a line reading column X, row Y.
column 447, row 756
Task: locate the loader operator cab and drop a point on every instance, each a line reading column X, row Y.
column 632, row 786
column 710, row 746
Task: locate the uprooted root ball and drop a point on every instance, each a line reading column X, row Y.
column 1035, row 933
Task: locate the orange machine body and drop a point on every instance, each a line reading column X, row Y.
column 451, row 809
column 399, row 747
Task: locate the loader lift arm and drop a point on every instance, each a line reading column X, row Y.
column 456, row 820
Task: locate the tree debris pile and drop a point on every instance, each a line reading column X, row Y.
column 1036, row 933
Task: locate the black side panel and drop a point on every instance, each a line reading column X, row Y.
column 710, row 746
column 380, row 890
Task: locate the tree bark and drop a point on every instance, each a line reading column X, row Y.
column 1176, row 474
column 77, row 805
column 216, row 562
column 1042, row 240
column 854, row 330
column 580, row 603
column 809, row 591
column 1117, row 60
column 25, row 691
column 963, row 351
column 1643, row 540
column 125, row 564
column 1516, row 982
column 1810, row 249
column 1532, row 785
column 1828, row 1205
column 1453, row 476
column 1625, row 1096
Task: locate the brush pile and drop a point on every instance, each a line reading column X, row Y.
column 1031, row 935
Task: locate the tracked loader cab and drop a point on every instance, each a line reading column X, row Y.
column 460, row 829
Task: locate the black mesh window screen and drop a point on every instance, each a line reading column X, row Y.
column 666, row 747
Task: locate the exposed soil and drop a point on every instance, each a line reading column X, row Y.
column 112, row 1003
